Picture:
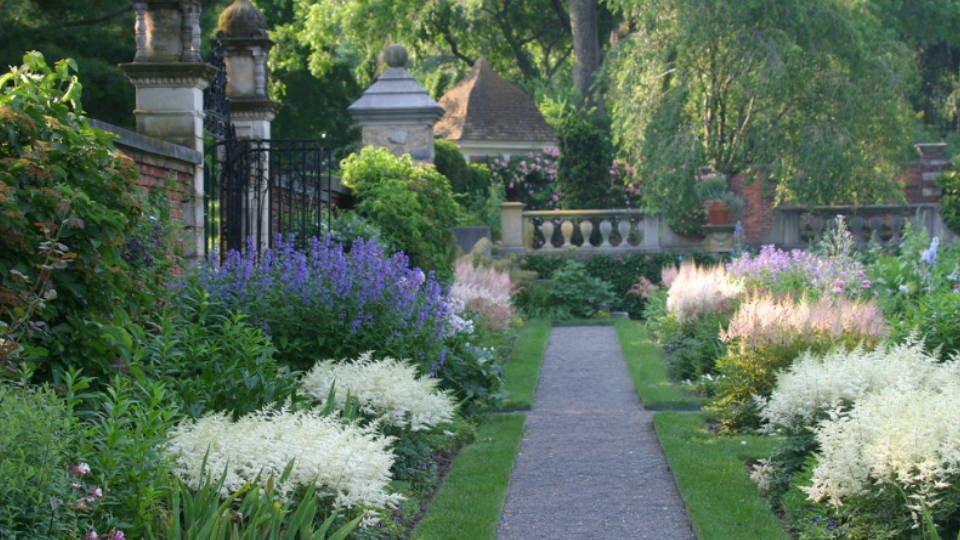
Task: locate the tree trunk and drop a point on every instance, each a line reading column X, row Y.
column 586, row 51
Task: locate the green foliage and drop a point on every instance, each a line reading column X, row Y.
column 689, row 350
column 949, row 181
column 621, row 272
column 584, row 163
column 579, row 292
column 413, row 206
column 347, row 227
column 812, row 91
column 538, row 301
column 65, row 191
column 36, row 496
column 473, row 373
column 247, row 514
column 215, row 362
column 97, row 34
column 124, row 429
column 463, row 177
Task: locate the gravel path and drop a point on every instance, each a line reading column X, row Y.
column 590, row 464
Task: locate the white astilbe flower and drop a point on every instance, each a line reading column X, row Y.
column 813, row 384
column 698, row 292
column 388, row 389
column 891, row 437
column 347, row 462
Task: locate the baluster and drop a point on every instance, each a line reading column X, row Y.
column 896, row 223
column 624, row 226
column 566, row 230
column 856, row 228
column 876, row 227
column 605, row 228
column 547, row 229
column 586, row 229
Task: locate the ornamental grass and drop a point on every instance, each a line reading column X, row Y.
column 767, row 333
column 485, row 291
column 700, row 291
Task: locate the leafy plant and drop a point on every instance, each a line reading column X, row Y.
column 413, row 207
column 60, row 179
column 247, row 514
column 212, row 361
column 579, row 292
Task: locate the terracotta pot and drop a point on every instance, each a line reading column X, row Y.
column 718, row 212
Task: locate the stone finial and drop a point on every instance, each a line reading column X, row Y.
column 396, row 56
column 242, row 19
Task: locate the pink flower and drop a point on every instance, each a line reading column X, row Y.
column 838, row 290
column 839, row 283
column 866, row 284
column 81, row 469
column 117, row 535
column 96, row 493
column 92, row 535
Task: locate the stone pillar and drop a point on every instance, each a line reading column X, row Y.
column 921, row 186
column 243, row 34
column 170, row 77
column 396, row 112
column 511, row 229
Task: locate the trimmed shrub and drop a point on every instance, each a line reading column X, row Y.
column 413, row 207
column 584, row 165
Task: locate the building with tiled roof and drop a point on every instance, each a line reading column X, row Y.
column 486, row 116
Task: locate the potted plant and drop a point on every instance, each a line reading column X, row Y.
column 719, row 201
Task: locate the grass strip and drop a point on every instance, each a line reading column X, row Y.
column 647, row 371
column 711, row 471
column 470, row 500
column 522, row 369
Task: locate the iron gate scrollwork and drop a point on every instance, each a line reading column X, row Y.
column 256, row 189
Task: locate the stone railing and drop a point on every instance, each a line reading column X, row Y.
column 884, row 223
column 598, row 231
column 631, row 231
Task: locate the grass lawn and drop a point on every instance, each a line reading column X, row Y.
column 711, row 472
column 470, row 500
column 523, row 367
column 647, row 371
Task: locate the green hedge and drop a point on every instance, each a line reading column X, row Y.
column 621, row 271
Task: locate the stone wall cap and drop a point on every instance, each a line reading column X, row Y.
column 149, row 145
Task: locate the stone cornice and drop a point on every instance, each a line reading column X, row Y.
column 253, row 108
column 169, row 74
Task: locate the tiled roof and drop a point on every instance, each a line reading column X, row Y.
column 485, row 107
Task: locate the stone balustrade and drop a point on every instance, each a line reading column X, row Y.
column 585, row 232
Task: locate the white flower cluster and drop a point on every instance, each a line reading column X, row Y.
column 701, row 291
column 813, row 385
column 907, row 438
column 388, row 389
column 455, row 323
column 349, row 463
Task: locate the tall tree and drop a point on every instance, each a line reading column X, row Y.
column 812, row 91
column 586, row 51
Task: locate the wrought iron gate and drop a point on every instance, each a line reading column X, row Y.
column 255, row 190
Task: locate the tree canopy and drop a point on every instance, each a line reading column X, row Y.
column 811, row 92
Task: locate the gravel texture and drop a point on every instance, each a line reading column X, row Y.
column 590, row 464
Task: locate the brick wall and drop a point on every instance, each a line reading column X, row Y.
column 757, row 213
column 919, row 175
column 157, row 161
